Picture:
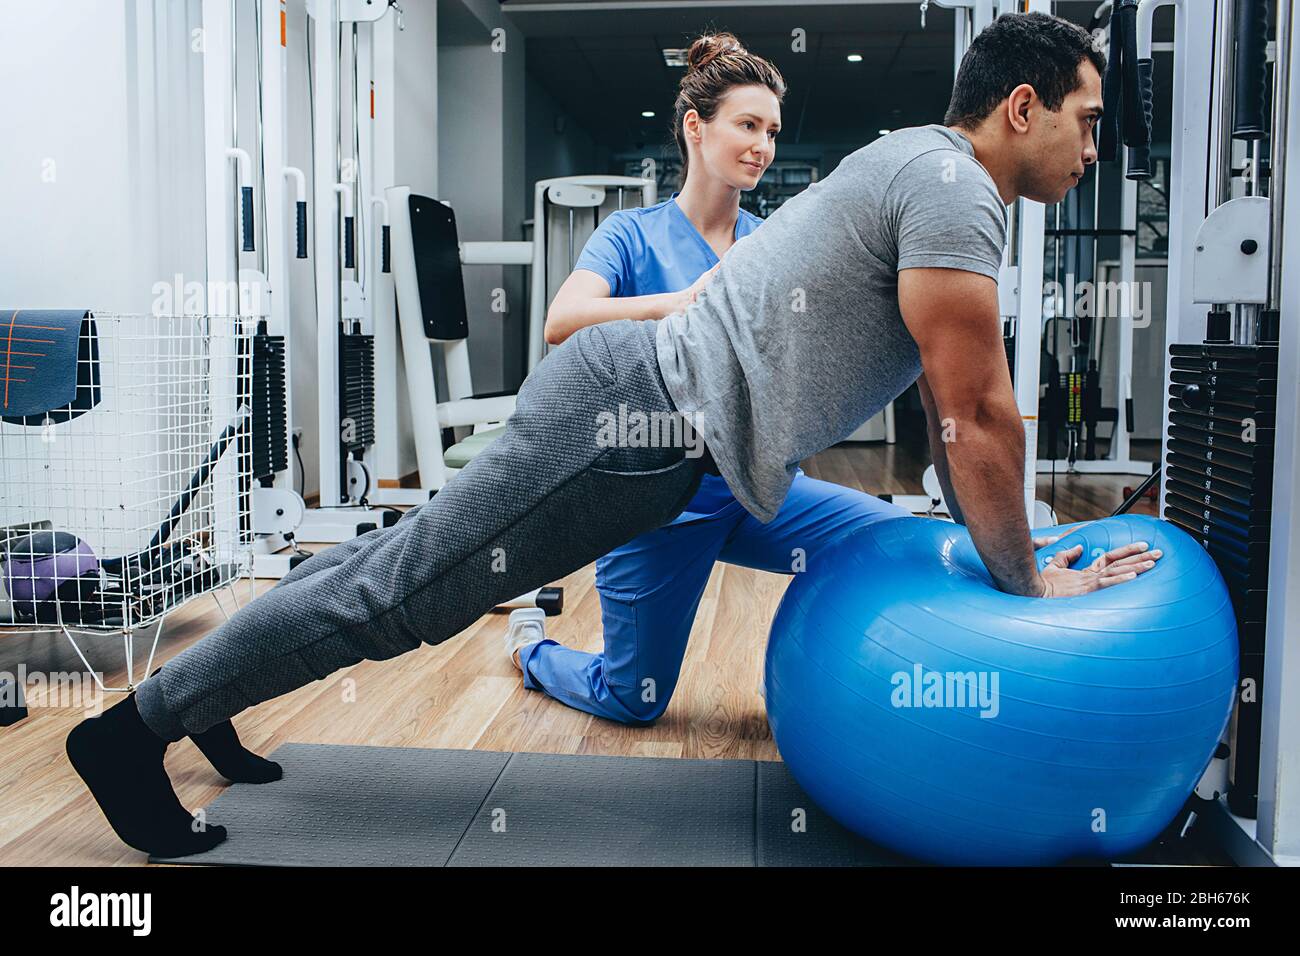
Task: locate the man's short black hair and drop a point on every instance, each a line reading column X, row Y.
column 1034, row 48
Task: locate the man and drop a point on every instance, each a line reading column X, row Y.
column 882, row 273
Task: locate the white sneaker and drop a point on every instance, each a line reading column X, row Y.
column 527, row 626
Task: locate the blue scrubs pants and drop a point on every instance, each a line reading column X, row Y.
column 650, row 590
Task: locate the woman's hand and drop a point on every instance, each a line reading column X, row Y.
column 1113, row 567
column 687, row 296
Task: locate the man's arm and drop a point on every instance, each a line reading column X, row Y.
column 938, row 448
column 939, row 455
column 953, row 316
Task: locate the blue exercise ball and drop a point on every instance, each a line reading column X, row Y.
column 935, row 715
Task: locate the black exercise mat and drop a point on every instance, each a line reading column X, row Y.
column 353, row 806
column 388, row 806
column 565, row 810
column 793, row 831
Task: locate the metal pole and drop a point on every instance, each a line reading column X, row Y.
column 263, row 254
column 1225, row 55
column 234, row 210
column 1277, row 159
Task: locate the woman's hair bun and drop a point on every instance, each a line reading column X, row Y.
column 709, row 47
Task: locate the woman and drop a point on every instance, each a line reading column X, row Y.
column 647, row 263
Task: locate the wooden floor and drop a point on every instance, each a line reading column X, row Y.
column 461, row 694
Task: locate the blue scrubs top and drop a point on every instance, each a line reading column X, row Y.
column 651, row 250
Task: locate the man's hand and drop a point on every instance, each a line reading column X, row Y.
column 1113, row 567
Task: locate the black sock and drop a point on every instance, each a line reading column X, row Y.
column 121, row 761
column 220, row 744
column 235, row 762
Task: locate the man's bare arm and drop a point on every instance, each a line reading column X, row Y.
column 953, row 316
column 938, row 449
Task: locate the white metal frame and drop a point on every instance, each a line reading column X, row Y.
column 222, row 180
column 339, row 298
column 116, row 478
column 539, row 300
column 278, row 511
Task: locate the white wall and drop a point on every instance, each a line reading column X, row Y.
column 556, row 143
column 481, row 169
column 101, row 179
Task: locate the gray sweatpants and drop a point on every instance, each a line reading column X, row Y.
column 546, row 498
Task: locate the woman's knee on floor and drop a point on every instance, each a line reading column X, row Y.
column 645, row 703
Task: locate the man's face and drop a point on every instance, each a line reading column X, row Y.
column 1061, row 144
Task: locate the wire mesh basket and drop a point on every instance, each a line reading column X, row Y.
column 132, row 498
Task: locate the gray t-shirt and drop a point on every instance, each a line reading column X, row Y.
column 798, row 340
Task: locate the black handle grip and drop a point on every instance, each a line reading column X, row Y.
column 1137, row 92
column 302, row 229
column 1139, row 155
column 387, row 259
column 349, row 248
column 246, row 205
column 1251, row 79
column 1128, row 415
column 1112, row 90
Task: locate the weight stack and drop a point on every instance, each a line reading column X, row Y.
column 270, row 416
column 1219, row 489
column 357, row 392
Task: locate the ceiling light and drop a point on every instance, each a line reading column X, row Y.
column 855, row 57
column 648, row 114
column 674, row 57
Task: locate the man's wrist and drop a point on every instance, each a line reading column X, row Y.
column 1036, row 586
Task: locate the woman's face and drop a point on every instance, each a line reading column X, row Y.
column 739, row 143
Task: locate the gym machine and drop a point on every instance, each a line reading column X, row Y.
column 349, row 309
column 566, row 211
column 1073, row 407
column 249, row 194
column 254, row 247
column 428, row 258
column 1229, row 435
